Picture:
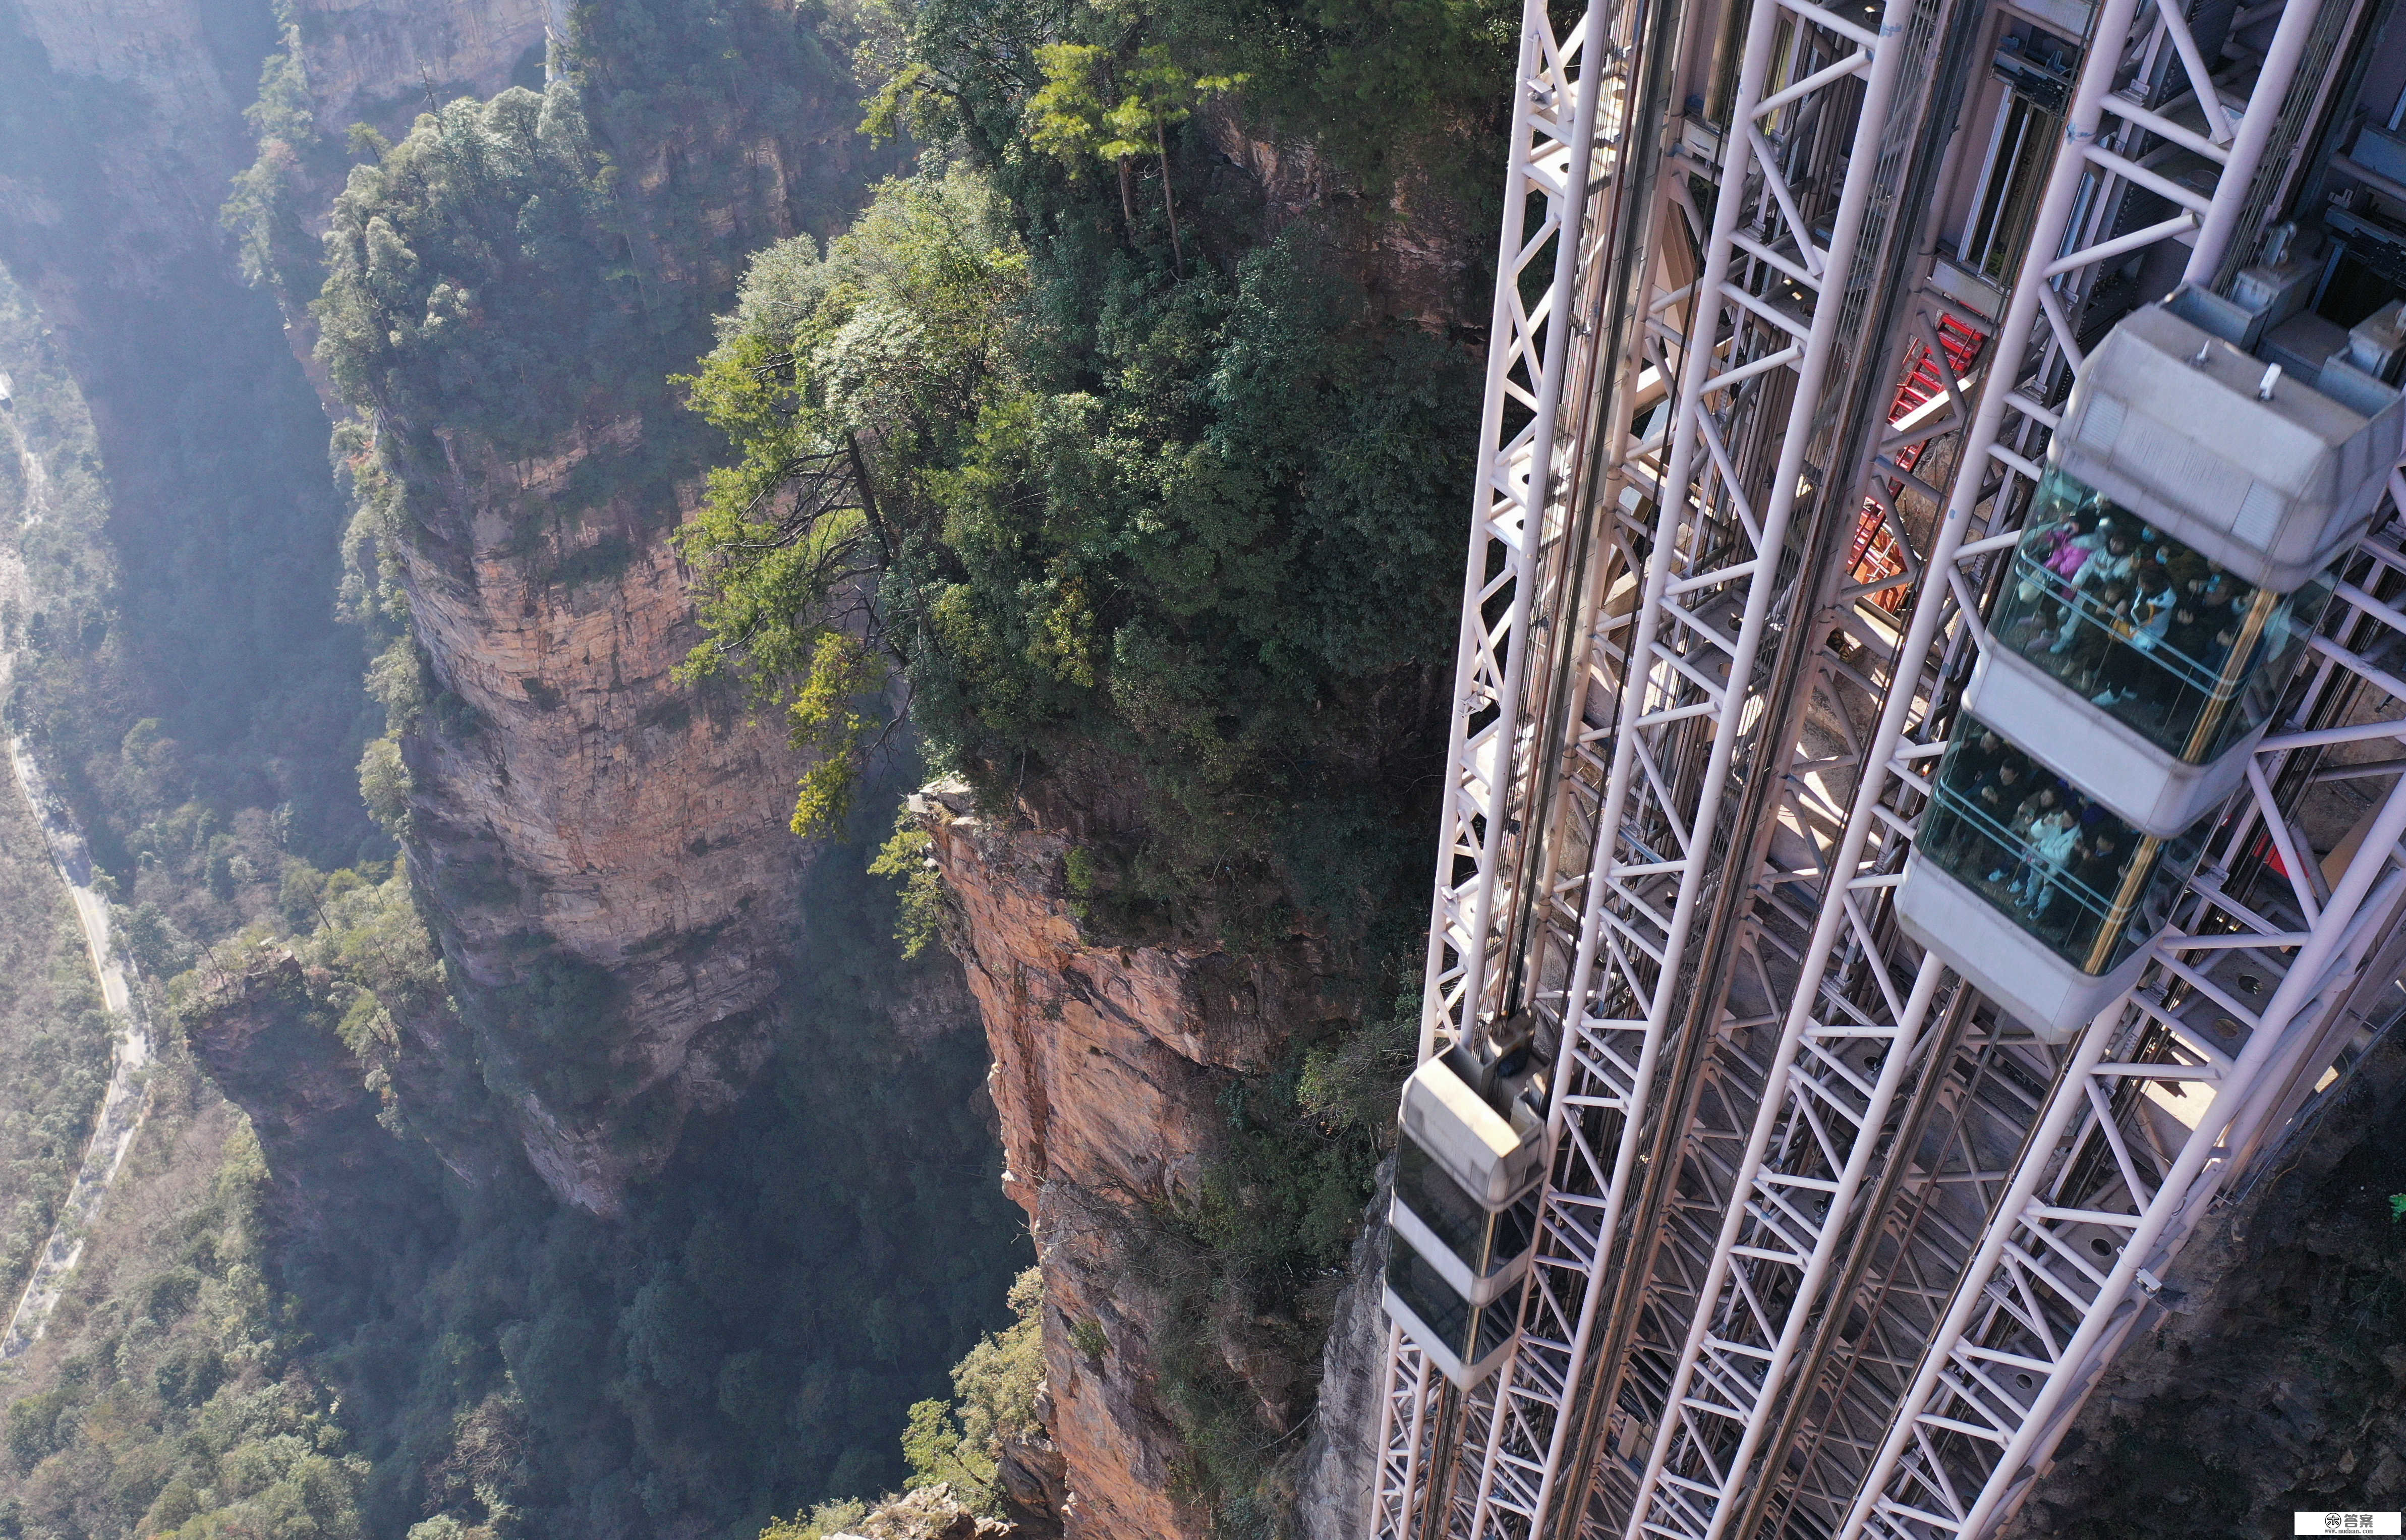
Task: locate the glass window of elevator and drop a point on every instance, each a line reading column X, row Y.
column 2182, row 651
column 1471, row 1333
column 2089, row 886
column 1486, row 1240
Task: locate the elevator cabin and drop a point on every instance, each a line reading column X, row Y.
column 1464, row 1221
column 2173, row 565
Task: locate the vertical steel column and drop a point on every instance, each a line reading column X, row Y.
column 1552, row 150
column 1688, row 650
column 2010, row 1264
column 1516, row 518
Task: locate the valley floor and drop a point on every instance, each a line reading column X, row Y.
column 123, row 1106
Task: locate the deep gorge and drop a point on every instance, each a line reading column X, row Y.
column 760, row 682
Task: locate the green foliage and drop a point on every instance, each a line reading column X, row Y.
column 1207, row 550
column 2396, row 1207
column 267, row 213
column 1389, row 92
column 822, row 721
column 890, row 339
column 934, row 1448
column 1088, row 107
column 176, row 1407
column 385, row 786
column 1168, row 537
column 922, row 910
column 54, row 1042
column 995, row 1388
column 825, row 1519
column 995, row 1385
column 470, row 261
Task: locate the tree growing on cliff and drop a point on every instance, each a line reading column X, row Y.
column 1084, row 112
column 841, row 379
column 1201, row 534
column 472, row 279
column 1180, row 570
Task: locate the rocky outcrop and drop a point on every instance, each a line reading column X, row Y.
column 373, row 61
column 605, row 849
column 589, row 829
column 1333, row 1477
column 1110, row 1065
column 930, row 1513
column 266, row 1034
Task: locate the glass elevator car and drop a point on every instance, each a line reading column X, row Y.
column 1465, row 1216
column 2040, row 895
column 2175, row 562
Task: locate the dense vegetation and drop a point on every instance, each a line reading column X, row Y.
column 398, row 1351
column 187, row 585
column 178, row 1404
column 481, row 1363
column 53, row 1038
column 1161, row 484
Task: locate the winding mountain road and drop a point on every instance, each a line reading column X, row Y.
column 126, row 1103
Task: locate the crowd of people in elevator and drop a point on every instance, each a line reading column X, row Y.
column 2143, row 626
column 2027, row 839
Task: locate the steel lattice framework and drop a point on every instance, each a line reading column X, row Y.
column 1828, row 1245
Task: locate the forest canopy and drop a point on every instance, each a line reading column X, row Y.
column 461, row 271
column 1144, row 479
column 1203, row 532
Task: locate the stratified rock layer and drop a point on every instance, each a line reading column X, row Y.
column 596, row 810
column 606, row 851
column 267, row 1035
column 1109, row 1063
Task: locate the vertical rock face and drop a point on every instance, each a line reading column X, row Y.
column 1109, row 1067
column 146, row 100
column 588, row 827
column 267, row 1035
column 126, row 208
column 606, row 851
column 365, row 55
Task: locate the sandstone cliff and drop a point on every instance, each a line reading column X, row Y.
column 370, row 60
column 1110, row 1066
column 267, row 1036
column 605, row 852
column 588, row 828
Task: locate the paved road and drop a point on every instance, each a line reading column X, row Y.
column 122, row 1107
column 127, row 1102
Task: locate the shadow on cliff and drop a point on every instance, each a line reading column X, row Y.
column 2277, row 1381
column 201, row 600
column 745, row 1339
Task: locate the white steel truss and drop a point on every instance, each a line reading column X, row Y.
column 1516, row 524
column 1789, row 1197
column 1931, row 1226
column 1517, row 550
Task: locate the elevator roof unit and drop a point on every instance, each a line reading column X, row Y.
column 1493, row 1155
column 2259, row 472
